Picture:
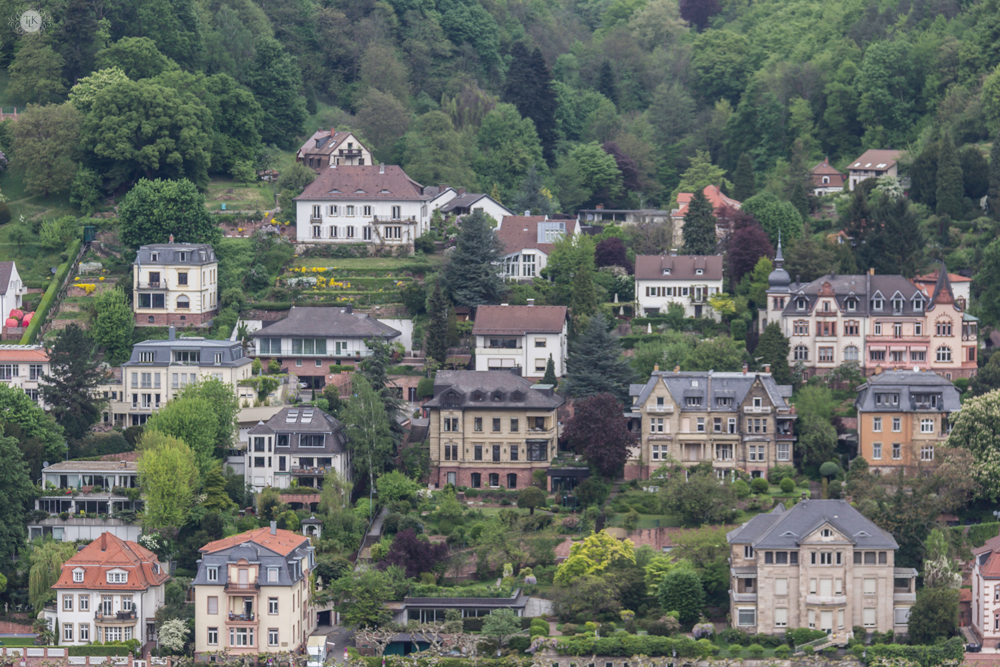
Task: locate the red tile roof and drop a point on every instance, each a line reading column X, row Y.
column 965, row 595
column 836, row 179
column 282, row 543
column 107, row 553
column 520, row 232
column 364, row 182
column 519, row 320
column 24, row 354
column 712, row 193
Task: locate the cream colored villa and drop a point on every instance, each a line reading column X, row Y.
column 820, row 564
column 175, row 284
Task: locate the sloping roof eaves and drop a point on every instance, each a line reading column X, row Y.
column 519, row 320
column 326, row 323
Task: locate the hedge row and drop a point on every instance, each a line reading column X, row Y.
column 509, row 661
column 97, row 650
column 952, row 650
column 50, row 294
column 270, row 305
column 629, row 645
column 979, row 533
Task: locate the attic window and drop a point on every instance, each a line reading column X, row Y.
column 666, row 272
column 699, row 272
column 359, row 192
column 497, row 397
column 383, row 192
column 117, row 577
column 800, row 304
column 78, row 576
column 517, row 396
column 154, row 256
column 292, row 416
column 852, row 304
column 307, row 415
column 862, row 533
column 918, row 304
column 477, row 395
column 183, row 256
column 335, row 190
column 826, row 532
column 788, row 533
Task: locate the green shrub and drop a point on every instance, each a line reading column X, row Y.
column 472, row 624
column 829, row 469
column 741, row 488
column 756, row 651
column 782, row 652
column 760, row 485
column 520, row 643
column 800, row 636
column 777, row 473
column 787, row 485
column 50, row 294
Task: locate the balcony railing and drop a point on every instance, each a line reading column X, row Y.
column 350, row 152
column 659, row 409
column 242, row 618
column 904, row 597
column 757, row 409
column 826, row 599
column 252, row 587
column 744, row 597
column 313, row 470
column 114, row 616
column 152, row 284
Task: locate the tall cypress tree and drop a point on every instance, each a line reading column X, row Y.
column 950, row 186
column 993, row 197
column 744, row 180
column 606, row 82
column 773, row 349
column 550, row 372
column 436, row 343
column 583, row 301
column 699, row 226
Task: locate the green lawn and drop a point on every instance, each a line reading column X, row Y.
column 648, row 521
column 433, row 262
column 255, row 197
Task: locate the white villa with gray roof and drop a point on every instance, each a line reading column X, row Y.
column 820, row 564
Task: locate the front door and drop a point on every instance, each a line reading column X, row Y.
column 826, row 621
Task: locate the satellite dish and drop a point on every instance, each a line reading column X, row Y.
column 45, row 464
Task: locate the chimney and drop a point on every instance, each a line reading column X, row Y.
column 381, row 168
column 871, row 271
column 171, row 333
column 531, row 302
column 677, row 369
column 673, row 252
column 122, row 464
column 878, row 370
column 516, row 370
column 656, row 368
column 461, row 191
column 171, row 238
column 744, row 369
column 274, row 527
column 504, row 304
column 767, row 368
column 527, row 213
column 600, row 207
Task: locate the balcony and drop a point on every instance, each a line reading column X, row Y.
column 349, row 152
column 233, row 587
column 757, row 409
column 244, row 619
column 826, row 599
column 904, row 597
column 659, row 409
column 152, row 285
column 120, row 617
column 744, row 597
column 311, row 471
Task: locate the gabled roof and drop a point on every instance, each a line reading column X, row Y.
column 876, row 160
column 326, row 323
column 324, row 142
column 521, row 232
column 283, row 542
column 785, row 529
column 386, row 182
column 681, row 267
column 107, row 553
column 519, row 320
column 712, row 193
column 468, row 200
column 711, row 385
column 7, row 269
column 824, row 169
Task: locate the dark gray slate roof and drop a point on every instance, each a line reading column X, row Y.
column 231, row 351
column 254, row 554
column 909, row 384
column 462, row 201
column 714, row 385
column 307, row 420
column 863, row 289
column 785, row 529
column 319, row 322
column 195, row 254
column 460, row 389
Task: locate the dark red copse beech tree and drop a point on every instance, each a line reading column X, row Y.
column 600, row 432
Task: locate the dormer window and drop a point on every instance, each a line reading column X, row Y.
column 897, row 305
column 826, row 180
column 154, row 256
column 117, row 577
column 477, row 395
column 852, row 305
column 666, row 272
column 826, row 306
column 517, row 396
column 183, row 256
column 497, row 396
column 699, row 272
column 918, row 304
column 800, row 304
column 877, row 304
column 78, row 576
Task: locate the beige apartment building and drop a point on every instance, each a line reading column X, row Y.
column 491, row 429
column 820, row 564
column 735, row 420
column 252, row 593
column 175, row 284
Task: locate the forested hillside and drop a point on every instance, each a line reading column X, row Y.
column 622, row 94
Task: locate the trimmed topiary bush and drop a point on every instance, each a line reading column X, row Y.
column 787, row 485
column 760, row 485
column 756, row 651
column 782, row 652
column 741, row 488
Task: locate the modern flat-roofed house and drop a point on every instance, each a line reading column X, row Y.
column 903, row 415
column 301, row 443
column 376, row 205
column 312, row 338
column 873, row 163
column 330, row 148
column 252, row 593
column 109, row 591
column 431, row 610
column 687, row 280
column 491, row 429
column 521, row 336
column 820, row 564
column 528, row 241
column 175, row 284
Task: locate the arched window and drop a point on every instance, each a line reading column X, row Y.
column 494, row 479
column 801, row 353
column 943, row 328
column 826, row 180
column 476, row 480
column 183, row 302
column 944, row 353
column 512, row 480
column 850, row 353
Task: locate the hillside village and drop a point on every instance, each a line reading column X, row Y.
column 463, row 333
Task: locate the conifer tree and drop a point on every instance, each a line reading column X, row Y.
column 596, row 364
column 71, row 389
column 699, row 226
column 799, row 199
column 993, row 197
column 583, row 302
column 550, row 372
column 471, row 274
column 773, row 349
column 806, row 259
column 529, row 88
column 744, row 180
column 950, row 187
column 436, row 340
column 532, row 195
column 606, row 82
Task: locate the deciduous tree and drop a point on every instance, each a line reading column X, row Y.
column 413, row 555
column 595, row 555
column 36, row 73
column 71, row 389
column 155, row 210
column 681, row 591
column 600, row 432
column 193, row 421
column 773, row 215
column 369, row 435
column 17, row 409
column 934, row 616
column 45, row 142
column 977, row 429
column 137, row 57
column 16, row 497
column 699, row 499
column 168, row 476
column 275, row 80
column 113, row 324
column 45, row 561
column 501, row 625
